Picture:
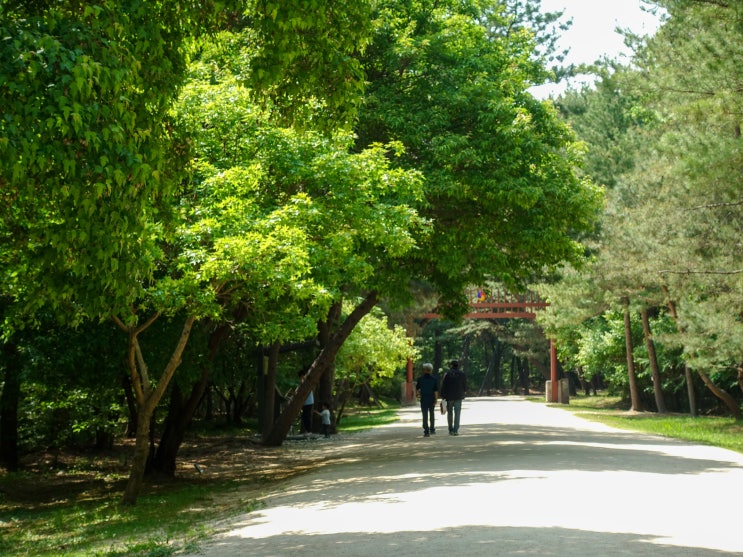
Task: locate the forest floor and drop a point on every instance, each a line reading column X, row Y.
column 53, row 477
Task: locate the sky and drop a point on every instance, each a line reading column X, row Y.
column 593, row 35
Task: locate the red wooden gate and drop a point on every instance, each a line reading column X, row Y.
column 499, row 304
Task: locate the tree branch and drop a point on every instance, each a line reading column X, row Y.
column 133, row 371
column 691, row 272
column 147, row 323
column 716, row 205
column 720, row 3
column 144, row 372
column 134, row 330
column 173, row 363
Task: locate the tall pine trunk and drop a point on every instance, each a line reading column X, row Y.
column 690, row 391
column 324, row 359
column 729, row 402
column 634, row 391
column 660, row 402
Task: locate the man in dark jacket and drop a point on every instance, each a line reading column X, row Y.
column 427, row 389
column 453, row 388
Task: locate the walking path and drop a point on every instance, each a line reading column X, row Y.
column 521, row 479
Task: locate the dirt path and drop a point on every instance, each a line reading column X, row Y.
column 521, row 479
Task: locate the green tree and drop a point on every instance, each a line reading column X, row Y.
column 91, row 161
column 667, row 135
column 696, row 84
column 370, row 356
column 449, row 80
column 502, row 194
column 87, row 157
column 686, row 191
column 348, row 216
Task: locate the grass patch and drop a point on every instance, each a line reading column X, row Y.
column 162, row 522
column 718, row 431
column 360, row 418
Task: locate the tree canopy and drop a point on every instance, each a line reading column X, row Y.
column 667, row 134
column 257, row 164
column 449, row 81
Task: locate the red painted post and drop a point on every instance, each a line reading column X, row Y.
column 553, row 371
column 409, row 382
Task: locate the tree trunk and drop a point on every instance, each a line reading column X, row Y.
column 486, row 380
column 497, row 368
column 585, row 386
column 325, row 358
column 242, row 402
column 730, row 403
column 180, row 414
column 525, row 372
column 438, row 356
column 181, row 411
column 177, row 423
column 660, row 403
column 148, row 398
column 9, row 400
column 725, row 397
column 464, row 360
column 163, row 459
column 633, row 389
column 131, row 405
column 690, row 391
column 269, row 388
column 324, row 391
column 139, row 461
column 343, row 394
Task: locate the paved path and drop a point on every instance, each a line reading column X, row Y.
column 522, row 479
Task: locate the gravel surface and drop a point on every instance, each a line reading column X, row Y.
column 521, row 479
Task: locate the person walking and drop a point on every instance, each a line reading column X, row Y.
column 427, row 389
column 453, row 389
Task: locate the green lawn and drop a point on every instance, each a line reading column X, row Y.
column 359, row 419
column 718, row 431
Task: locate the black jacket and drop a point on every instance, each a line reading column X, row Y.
column 454, row 385
column 427, row 387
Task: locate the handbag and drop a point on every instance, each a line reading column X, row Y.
column 442, row 407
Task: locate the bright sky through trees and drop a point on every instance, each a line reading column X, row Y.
column 593, row 33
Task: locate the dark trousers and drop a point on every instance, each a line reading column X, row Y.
column 428, row 411
column 307, row 418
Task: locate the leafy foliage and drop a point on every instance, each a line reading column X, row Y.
column 449, row 81
column 88, row 159
column 666, row 138
column 374, row 351
column 282, row 220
